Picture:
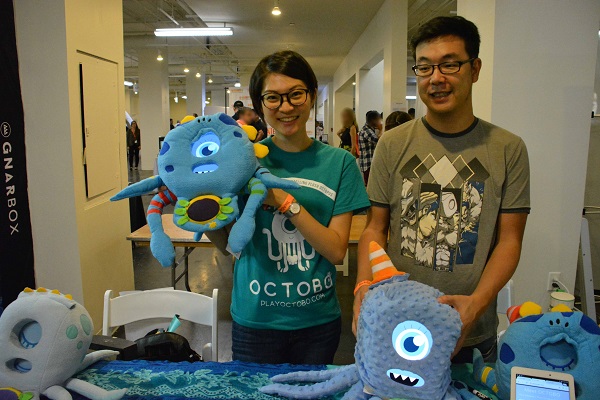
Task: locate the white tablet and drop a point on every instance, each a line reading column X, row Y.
column 536, row 384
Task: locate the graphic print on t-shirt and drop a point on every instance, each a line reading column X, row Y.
column 287, row 245
column 441, row 205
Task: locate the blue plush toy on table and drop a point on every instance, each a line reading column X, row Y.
column 44, row 341
column 205, row 163
column 560, row 340
column 405, row 341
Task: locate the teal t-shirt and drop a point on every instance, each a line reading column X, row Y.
column 280, row 281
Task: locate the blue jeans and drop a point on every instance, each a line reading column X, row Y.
column 313, row 345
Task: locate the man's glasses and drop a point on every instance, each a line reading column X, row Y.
column 449, row 67
column 296, row 97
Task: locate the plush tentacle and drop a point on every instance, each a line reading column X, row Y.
column 242, row 231
column 57, row 393
column 95, row 356
column 339, row 382
column 311, row 376
column 482, row 373
column 92, row 391
column 459, row 391
column 142, row 187
column 271, row 181
column 356, row 393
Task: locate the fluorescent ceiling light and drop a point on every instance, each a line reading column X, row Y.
column 197, row 74
column 207, row 102
column 186, row 70
column 184, row 97
column 210, row 79
column 127, row 83
column 237, row 84
column 411, row 97
column 194, row 32
column 159, row 57
column 276, row 11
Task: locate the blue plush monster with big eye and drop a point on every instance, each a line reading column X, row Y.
column 405, row 341
column 206, row 163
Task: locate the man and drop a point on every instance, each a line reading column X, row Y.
column 171, row 126
column 367, row 140
column 237, row 106
column 452, row 190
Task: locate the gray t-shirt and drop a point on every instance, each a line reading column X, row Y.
column 445, row 193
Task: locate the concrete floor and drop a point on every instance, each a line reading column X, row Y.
column 210, row 269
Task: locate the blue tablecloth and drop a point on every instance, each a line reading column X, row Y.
column 204, row 380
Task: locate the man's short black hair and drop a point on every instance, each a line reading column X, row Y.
column 238, row 104
column 443, row 26
column 288, row 63
column 372, row 115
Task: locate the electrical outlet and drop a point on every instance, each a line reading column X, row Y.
column 552, row 276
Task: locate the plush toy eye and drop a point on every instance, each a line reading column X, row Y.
column 412, row 340
column 207, row 145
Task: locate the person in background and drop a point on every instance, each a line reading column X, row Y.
column 171, row 126
column 367, row 140
column 411, row 112
column 259, row 125
column 245, row 116
column 284, row 303
column 395, row 119
column 349, row 131
column 451, row 190
column 133, row 145
column 195, row 115
column 237, row 105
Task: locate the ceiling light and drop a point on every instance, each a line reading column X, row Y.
column 198, row 75
column 127, row 83
column 353, row 83
column 159, row 57
column 237, row 84
column 228, row 91
column 134, row 92
column 186, row 70
column 411, row 97
column 207, row 102
column 194, row 32
column 176, row 98
column 210, row 79
column 184, row 97
column 276, row 10
column 208, row 98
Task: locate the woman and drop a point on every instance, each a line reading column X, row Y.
column 284, row 303
column 348, row 132
column 395, row 119
column 133, row 145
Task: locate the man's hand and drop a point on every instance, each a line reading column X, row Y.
column 360, row 295
column 469, row 310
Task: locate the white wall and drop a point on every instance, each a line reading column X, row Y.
column 532, row 96
column 370, row 92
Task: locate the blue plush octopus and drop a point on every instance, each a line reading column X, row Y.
column 405, row 340
column 205, row 163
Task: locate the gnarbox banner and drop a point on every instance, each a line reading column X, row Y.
column 16, row 244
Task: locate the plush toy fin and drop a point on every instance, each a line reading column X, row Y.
column 139, row 188
column 95, row 356
column 187, row 118
column 92, row 391
column 483, row 373
column 271, row 181
column 57, row 393
column 251, row 132
column 260, row 150
column 241, row 233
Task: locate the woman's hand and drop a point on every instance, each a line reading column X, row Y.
column 275, row 198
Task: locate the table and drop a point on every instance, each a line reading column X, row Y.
column 185, row 239
column 207, row 381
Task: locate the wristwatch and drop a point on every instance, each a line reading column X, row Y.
column 293, row 210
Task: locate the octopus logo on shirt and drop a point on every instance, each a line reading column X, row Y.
column 441, row 206
column 290, row 246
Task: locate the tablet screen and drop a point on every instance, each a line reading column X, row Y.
column 535, row 388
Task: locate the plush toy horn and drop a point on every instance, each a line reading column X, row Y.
column 381, row 265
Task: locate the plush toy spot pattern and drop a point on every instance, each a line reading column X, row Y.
column 44, row 339
column 206, row 163
column 560, row 340
column 405, row 340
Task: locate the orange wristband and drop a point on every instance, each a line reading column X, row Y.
column 286, row 204
column 361, row 284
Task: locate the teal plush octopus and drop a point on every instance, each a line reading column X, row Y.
column 205, row 164
column 404, row 342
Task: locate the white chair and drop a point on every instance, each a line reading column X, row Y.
column 153, row 304
column 504, row 301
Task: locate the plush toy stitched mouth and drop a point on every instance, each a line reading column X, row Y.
column 559, row 353
column 204, row 168
column 406, row 378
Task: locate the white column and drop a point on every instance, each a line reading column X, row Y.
column 540, row 86
column 203, row 91
column 193, row 91
column 154, row 102
column 394, row 58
